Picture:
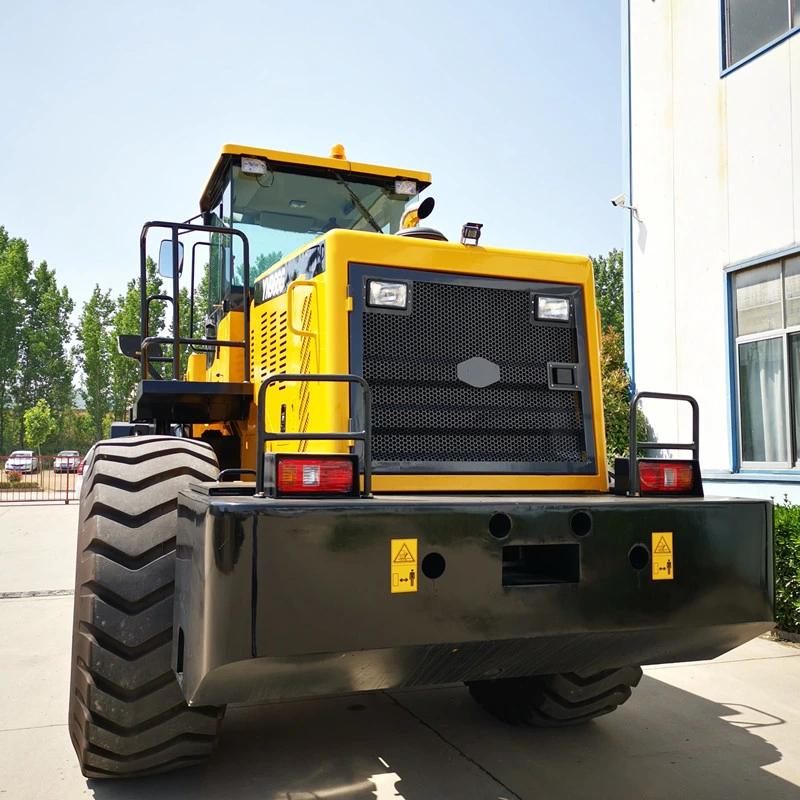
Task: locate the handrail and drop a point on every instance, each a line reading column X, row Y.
column 182, row 340
column 364, row 435
column 635, row 445
column 178, row 228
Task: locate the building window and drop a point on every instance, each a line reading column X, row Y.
column 766, row 302
column 751, row 24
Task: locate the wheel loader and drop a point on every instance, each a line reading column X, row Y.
column 380, row 463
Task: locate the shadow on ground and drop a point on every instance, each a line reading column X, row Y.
column 430, row 744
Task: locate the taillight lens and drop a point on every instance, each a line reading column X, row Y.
column 666, row 477
column 316, row 475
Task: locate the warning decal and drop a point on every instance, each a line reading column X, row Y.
column 662, row 548
column 404, row 566
column 404, row 556
column 663, row 557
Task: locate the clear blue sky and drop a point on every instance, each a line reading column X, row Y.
column 114, row 113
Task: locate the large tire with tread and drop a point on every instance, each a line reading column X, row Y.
column 554, row 701
column 127, row 715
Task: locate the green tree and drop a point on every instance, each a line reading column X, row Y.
column 45, row 370
column 616, row 393
column 39, row 424
column 608, row 287
column 15, row 269
column 609, row 295
column 125, row 372
column 94, row 353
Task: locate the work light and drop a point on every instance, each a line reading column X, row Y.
column 552, row 309
column 381, row 294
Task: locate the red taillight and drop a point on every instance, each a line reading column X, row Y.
column 315, row 475
column 664, row 477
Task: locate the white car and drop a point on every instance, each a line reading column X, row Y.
column 22, row 461
column 67, row 461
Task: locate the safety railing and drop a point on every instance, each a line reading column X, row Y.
column 364, row 435
column 176, row 340
column 40, row 479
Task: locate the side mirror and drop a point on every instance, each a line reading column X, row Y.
column 165, row 258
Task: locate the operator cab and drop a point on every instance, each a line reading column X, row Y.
column 283, row 201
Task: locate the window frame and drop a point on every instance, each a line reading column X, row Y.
column 791, row 395
column 726, row 66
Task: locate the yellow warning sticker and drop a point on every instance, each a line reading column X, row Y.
column 663, row 556
column 404, row 565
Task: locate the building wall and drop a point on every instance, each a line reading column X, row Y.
column 715, row 176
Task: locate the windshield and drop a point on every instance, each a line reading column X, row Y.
column 281, row 211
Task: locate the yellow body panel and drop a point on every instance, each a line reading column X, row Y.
column 196, row 367
column 306, row 330
column 228, row 365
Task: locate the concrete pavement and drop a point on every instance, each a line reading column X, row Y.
column 724, row 729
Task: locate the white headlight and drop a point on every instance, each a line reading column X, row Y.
column 552, row 309
column 387, row 295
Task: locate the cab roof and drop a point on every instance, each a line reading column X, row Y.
column 278, row 159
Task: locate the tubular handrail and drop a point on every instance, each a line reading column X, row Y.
column 364, row 435
column 636, row 445
column 177, row 229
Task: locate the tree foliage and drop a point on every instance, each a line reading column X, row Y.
column 609, row 295
column 34, row 354
column 39, row 424
column 14, row 271
column 608, row 287
column 95, row 338
column 126, row 319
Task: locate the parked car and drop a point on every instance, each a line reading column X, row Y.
column 67, row 461
column 22, row 461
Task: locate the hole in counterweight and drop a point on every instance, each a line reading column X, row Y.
column 581, row 523
column 639, row 556
column 433, row 566
column 500, row 525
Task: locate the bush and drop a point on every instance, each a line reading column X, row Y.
column 13, row 477
column 787, row 566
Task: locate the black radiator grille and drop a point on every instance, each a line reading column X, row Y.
column 422, row 412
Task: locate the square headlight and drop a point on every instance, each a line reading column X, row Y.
column 552, row 309
column 382, row 294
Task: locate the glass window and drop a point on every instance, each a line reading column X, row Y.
column 767, row 318
column 761, row 392
column 794, row 360
column 753, row 23
column 791, row 291
column 758, row 299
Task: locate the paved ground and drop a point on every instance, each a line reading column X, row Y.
column 726, row 729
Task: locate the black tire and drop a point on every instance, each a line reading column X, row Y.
column 127, row 715
column 554, row 701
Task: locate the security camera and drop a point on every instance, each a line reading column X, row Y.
column 621, row 201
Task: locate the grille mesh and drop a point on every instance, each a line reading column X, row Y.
column 421, row 410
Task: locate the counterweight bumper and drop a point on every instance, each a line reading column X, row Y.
column 292, row 598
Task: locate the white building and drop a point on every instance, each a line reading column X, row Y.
column 713, row 263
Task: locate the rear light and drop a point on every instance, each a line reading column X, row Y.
column 666, row 477
column 335, row 476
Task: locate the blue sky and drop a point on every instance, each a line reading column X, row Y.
column 114, row 114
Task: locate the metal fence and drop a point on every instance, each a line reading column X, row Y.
column 37, row 478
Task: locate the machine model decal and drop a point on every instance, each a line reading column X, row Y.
column 405, row 575
column 307, row 265
column 663, row 557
